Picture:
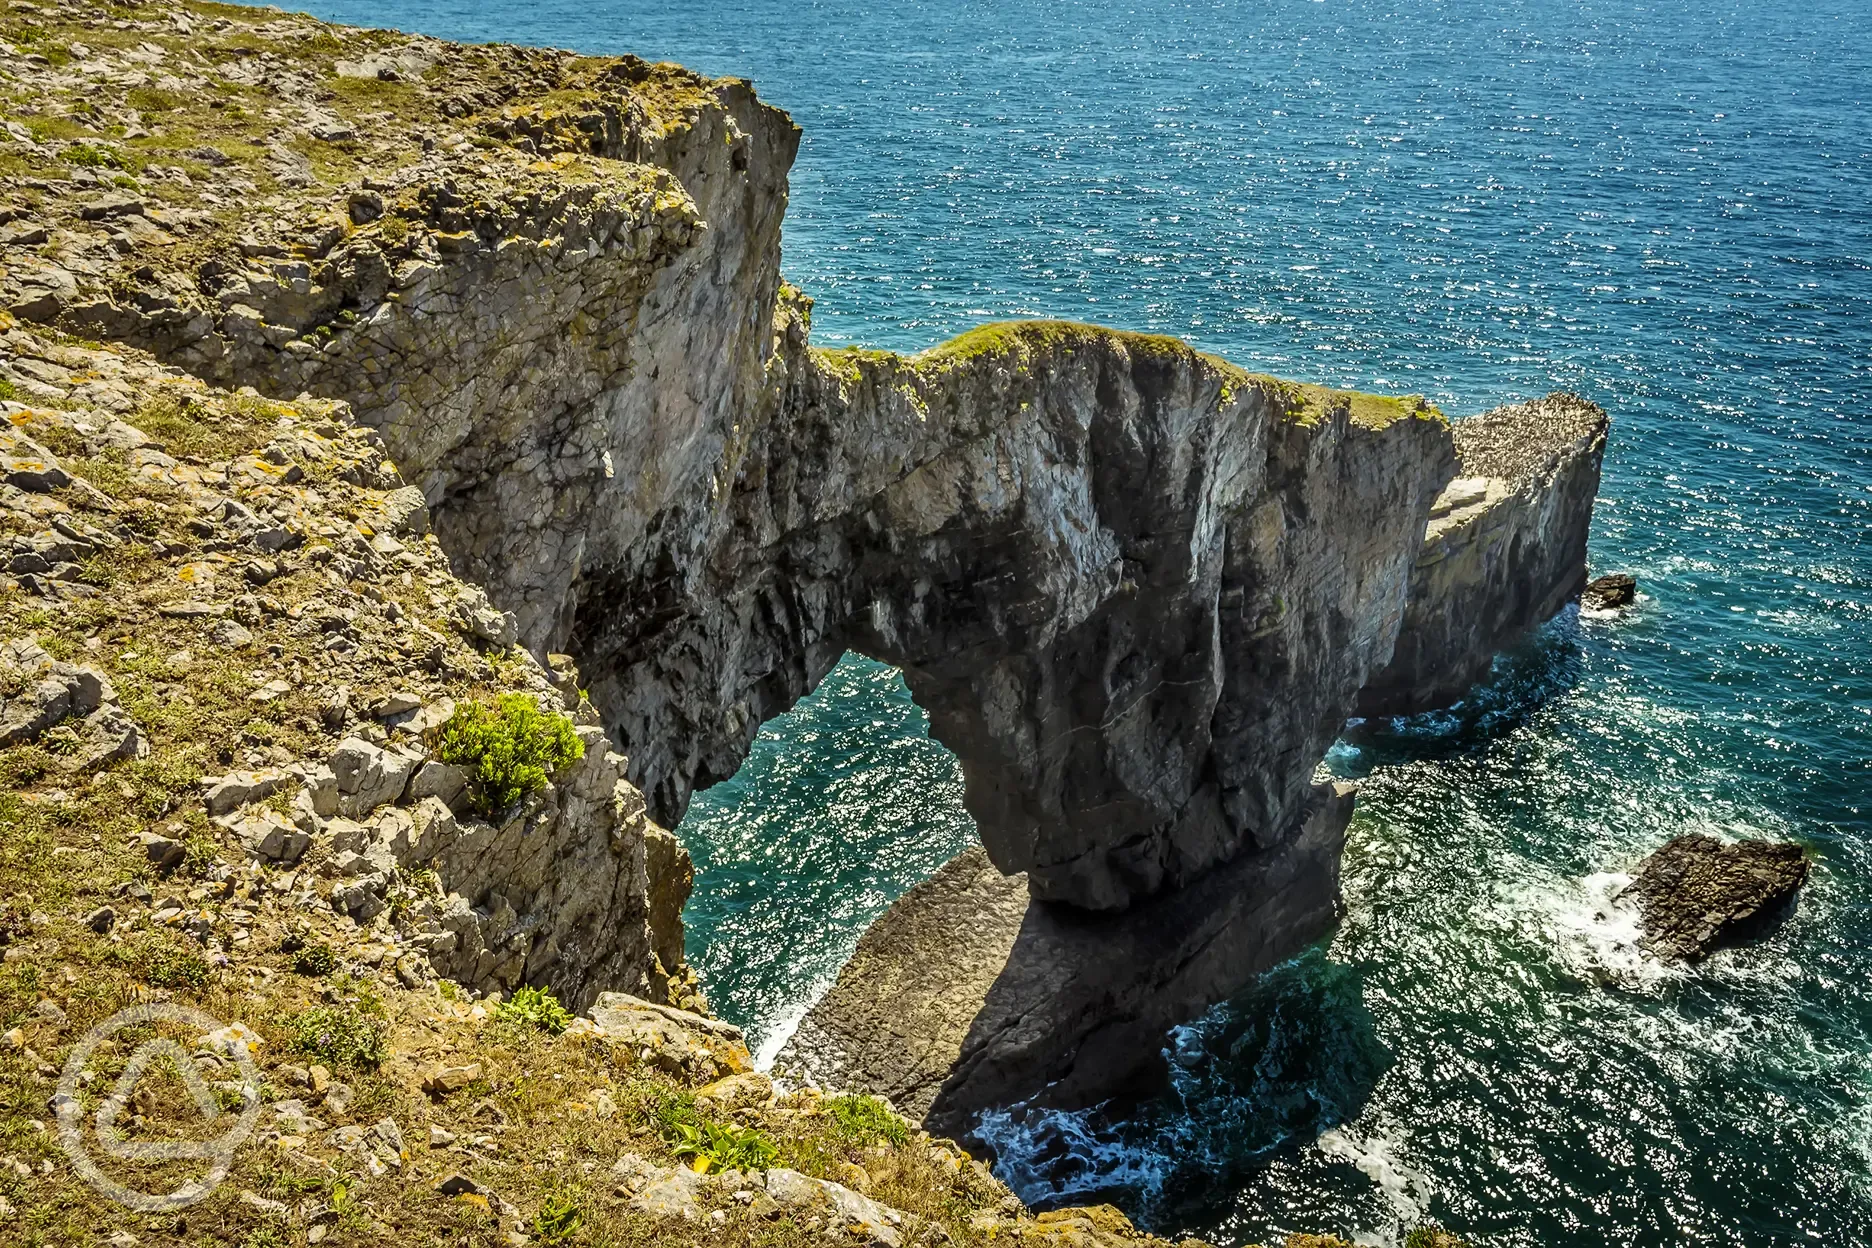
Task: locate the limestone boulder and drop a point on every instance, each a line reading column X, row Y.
column 369, row 776
column 681, row 1043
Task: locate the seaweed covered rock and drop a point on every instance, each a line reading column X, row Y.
column 1697, row 894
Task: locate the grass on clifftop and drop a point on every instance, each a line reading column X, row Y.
column 1301, row 402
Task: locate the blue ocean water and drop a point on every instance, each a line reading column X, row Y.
column 1665, row 206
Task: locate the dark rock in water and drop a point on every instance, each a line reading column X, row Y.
column 968, row 993
column 1610, row 592
column 1697, row 894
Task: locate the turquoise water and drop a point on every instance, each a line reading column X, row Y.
column 1663, row 206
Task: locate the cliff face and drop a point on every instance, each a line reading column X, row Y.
column 284, row 629
column 1504, row 550
column 1121, row 576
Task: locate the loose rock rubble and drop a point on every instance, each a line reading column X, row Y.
column 72, row 710
column 295, row 583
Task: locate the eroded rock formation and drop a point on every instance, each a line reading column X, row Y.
column 1697, row 894
column 1504, row 550
column 1120, row 575
column 1137, row 589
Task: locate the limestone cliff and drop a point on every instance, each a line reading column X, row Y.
column 1134, row 585
column 287, row 635
column 1121, row 576
column 1504, row 550
column 1137, row 588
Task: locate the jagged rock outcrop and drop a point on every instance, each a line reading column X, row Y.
column 291, row 594
column 969, row 993
column 1697, row 894
column 1610, row 592
column 1504, row 550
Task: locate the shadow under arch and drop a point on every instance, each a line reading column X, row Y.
column 1255, row 1078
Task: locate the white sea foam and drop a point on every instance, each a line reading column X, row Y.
column 1029, row 1144
column 784, row 1024
column 1597, row 931
column 1375, row 1154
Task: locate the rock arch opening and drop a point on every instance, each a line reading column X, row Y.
column 843, row 805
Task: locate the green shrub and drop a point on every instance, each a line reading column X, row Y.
column 724, row 1147
column 342, row 1034
column 673, row 1110
column 558, row 1217
column 155, row 100
column 535, row 1007
column 865, row 1120
column 509, row 750
column 175, row 968
column 84, row 156
column 315, row 960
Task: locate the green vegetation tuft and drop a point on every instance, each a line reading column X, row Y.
column 175, row 968
column 192, row 429
column 559, row 1216
column 345, row 1035
column 723, row 1146
column 315, row 960
column 865, row 1120
column 1309, row 404
column 85, row 156
column 535, row 1007
column 510, row 749
column 1432, row 1237
column 156, row 100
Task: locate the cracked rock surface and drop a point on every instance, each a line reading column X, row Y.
column 1698, row 894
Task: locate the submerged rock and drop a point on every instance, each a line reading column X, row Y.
column 1697, row 894
column 1608, row 593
